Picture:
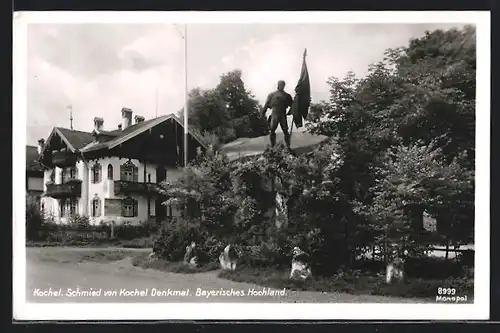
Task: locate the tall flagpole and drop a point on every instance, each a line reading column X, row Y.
column 156, row 101
column 186, row 132
column 303, row 61
column 70, row 109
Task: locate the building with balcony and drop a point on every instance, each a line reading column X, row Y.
column 114, row 175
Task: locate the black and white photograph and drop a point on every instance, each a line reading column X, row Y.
column 251, row 165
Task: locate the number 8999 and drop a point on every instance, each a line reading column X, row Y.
column 446, row 291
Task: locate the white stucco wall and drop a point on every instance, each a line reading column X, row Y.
column 50, row 205
column 105, row 190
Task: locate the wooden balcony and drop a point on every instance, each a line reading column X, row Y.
column 124, row 187
column 70, row 189
column 63, row 158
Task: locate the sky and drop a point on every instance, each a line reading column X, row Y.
column 100, row 68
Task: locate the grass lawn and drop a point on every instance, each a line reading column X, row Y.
column 143, row 261
column 71, row 256
column 367, row 285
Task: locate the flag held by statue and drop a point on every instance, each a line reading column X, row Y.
column 302, row 99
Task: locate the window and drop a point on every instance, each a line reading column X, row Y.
column 52, row 175
column 96, row 173
column 68, row 207
column 96, row 207
column 68, row 174
column 63, row 176
column 73, row 172
column 110, row 172
column 129, row 172
column 129, row 207
column 72, row 207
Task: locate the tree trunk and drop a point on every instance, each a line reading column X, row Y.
column 447, row 248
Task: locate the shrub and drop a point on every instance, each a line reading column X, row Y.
column 79, row 222
column 267, row 254
column 34, row 220
column 128, row 231
column 210, row 249
column 171, row 245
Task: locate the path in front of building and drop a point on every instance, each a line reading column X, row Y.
column 122, row 276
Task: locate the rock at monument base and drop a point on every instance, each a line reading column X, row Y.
column 189, row 253
column 301, row 269
column 193, row 263
column 394, row 271
column 281, row 214
column 228, row 258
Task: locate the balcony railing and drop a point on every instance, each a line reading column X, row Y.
column 63, row 158
column 124, row 187
column 72, row 188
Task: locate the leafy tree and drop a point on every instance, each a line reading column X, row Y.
column 204, row 189
column 227, row 112
column 207, row 113
column 422, row 95
column 242, row 107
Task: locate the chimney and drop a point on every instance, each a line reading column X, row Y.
column 40, row 145
column 126, row 118
column 120, row 127
column 138, row 119
column 98, row 122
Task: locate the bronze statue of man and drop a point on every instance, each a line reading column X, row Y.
column 278, row 101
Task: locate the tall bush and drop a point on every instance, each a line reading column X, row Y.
column 34, row 219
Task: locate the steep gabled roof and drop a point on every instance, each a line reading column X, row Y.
column 86, row 141
column 77, row 139
column 136, row 129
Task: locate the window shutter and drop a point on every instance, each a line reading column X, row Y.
column 123, row 207
column 136, row 206
column 122, row 172
column 92, row 174
column 98, row 207
column 136, row 174
column 61, row 208
column 99, row 174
